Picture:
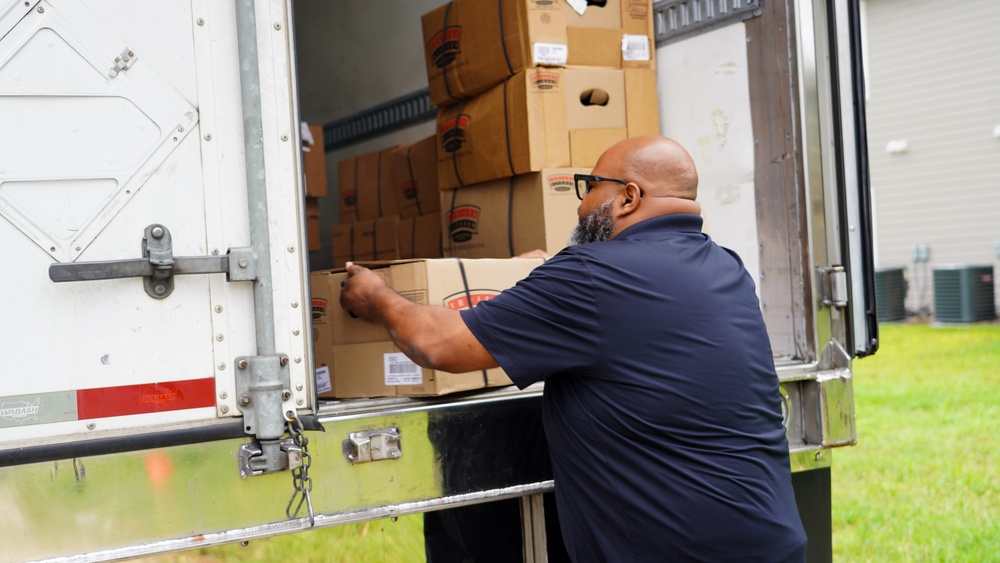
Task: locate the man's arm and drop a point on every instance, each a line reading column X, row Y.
column 433, row 336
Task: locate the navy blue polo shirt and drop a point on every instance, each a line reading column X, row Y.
column 661, row 404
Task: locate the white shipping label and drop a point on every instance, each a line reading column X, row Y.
column 400, row 370
column 580, row 6
column 323, row 384
column 550, row 54
column 635, row 47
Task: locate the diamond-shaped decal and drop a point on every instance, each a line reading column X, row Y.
column 78, row 139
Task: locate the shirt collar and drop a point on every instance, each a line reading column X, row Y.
column 678, row 222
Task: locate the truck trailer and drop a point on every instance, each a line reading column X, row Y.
column 153, row 228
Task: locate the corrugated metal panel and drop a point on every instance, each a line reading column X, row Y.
column 934, row 81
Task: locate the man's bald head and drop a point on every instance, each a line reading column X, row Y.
column 660, row 166
column 659, row 179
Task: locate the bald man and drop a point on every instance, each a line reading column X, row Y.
column 661, row 406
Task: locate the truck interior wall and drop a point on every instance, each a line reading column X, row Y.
column 350, row 58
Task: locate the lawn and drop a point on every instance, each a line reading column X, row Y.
column 923, row 483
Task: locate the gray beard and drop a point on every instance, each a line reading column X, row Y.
column 595, row 227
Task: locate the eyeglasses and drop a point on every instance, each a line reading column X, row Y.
column 583, row 183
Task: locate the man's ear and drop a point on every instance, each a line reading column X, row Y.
column 630, row 197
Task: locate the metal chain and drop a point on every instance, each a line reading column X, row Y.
column 300, row 475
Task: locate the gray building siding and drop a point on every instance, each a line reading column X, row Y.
column 934, row 82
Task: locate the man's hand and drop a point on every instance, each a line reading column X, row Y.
column 433, row 336
column 360, row 290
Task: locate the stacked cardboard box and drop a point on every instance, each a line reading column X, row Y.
column 471, row 46
column 530, row 93
column 314, row 171
column 415, row 182
column 543, row 118
column 368, row 211
column 360, row 357
column 389, row 205
column 511, row 216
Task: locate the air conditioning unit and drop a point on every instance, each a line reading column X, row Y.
column 963, row 293
column 890, row 294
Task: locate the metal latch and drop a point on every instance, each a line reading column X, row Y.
column 372, row 445
column 253, row 461
column 158, row 265
column 123, row 61
column 834, row 287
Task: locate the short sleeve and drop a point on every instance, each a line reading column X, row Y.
column 546, row 324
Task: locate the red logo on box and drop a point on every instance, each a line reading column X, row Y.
column 545, row 80
column 463, row 222
column 561, row 182
column 452, row 132
column 445, row 46
column 410, row 190
column 462, row 299
column 318, row 308
column 351, row 198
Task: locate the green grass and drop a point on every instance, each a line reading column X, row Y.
column 923, row 483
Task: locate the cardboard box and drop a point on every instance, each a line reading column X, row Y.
column 379, row 369
column 471, row 46
column 376, row 196
column 618, row 34
column 414, row 173
column 374, row 239
column 342, row 238
column 347, row 190
column 312, row 224
column 420, row 237
column 547, row 118
column 362, row 360
column 511, row 216
column 364, row 184
column 314, row 164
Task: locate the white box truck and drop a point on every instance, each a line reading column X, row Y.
column 158, row 389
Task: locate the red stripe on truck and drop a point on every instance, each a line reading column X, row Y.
column 145, row 398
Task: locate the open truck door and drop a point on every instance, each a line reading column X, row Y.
column 156, row 276
column 156, row 330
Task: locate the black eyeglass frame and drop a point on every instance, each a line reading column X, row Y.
column 587, row 179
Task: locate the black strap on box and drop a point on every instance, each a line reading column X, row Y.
column 503, row 40
column 413, row 179
column 378, row 183
column 448, row 218
column 357, row 199
column 444, row 39
column 413, row 238
column 506, row 128
column 454, row 154
column 468, row 295
column 350, row 240
column 510, row 217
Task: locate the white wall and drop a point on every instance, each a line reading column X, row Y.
column 934, row 82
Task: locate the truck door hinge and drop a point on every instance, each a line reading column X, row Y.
column 833, row 287
column 158, row 265
column 123, row 61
